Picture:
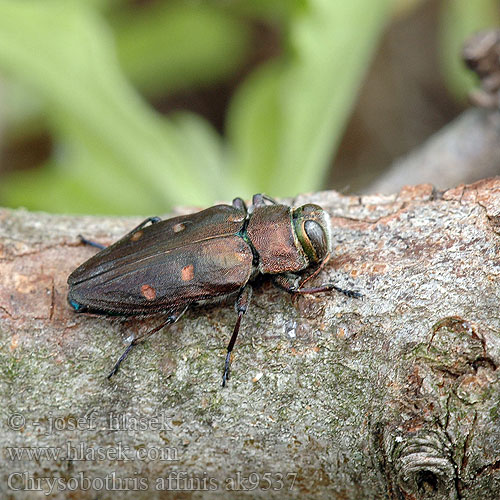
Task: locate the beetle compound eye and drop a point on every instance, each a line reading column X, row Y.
column 317, row 238
column 312, row 229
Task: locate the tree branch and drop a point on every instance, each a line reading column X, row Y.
column 392, row 396
column 466, row 150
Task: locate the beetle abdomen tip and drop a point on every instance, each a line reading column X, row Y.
column 75, row 305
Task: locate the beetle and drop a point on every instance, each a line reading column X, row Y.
column 167, row 266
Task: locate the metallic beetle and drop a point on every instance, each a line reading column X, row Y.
column 166, row 266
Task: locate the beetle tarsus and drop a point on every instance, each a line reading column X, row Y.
column 91, row 243
column 227, row 363
column 327, row 287
column 290, row 283
column 241, row 307
column 353, row 294
column 122, row 357
column 227, row 366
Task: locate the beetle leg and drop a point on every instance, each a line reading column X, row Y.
column 240, row 204
column 100, row 246
column 288, row 282
column 241, row 308
column 316, row 271
column 171, row 319
column 292, row 284
column 260, row 199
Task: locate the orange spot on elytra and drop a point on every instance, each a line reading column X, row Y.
column 148, row 291
column 136, row 236
column 187, row 272
column 179, row 227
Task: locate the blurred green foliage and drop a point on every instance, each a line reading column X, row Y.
column 83, row 69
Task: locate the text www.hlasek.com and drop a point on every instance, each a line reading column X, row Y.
column 81, row 452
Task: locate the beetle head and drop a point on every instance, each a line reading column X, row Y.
column 312, row 226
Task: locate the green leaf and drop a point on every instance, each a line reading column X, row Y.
column 113, row 143
column 205, row 148
column 178, row 46
column 45, row 187
column 287, row 119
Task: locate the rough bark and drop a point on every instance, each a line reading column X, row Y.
column 392, row 396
